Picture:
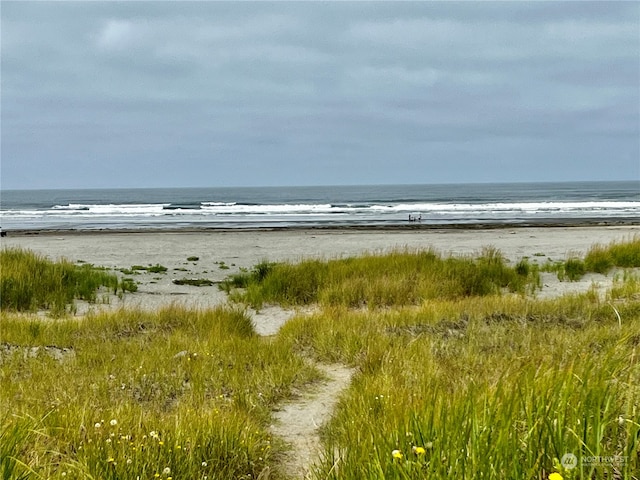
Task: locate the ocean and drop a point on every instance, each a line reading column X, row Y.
column 313, row 207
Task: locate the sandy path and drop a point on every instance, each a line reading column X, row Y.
column 298, row 421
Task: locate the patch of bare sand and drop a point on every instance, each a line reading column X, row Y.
column 298, row 421
column 268, row 320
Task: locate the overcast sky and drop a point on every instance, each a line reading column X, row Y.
column 175, row 94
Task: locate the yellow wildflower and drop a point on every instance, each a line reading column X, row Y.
column 419, row 450
column 555, row 476
column 397, row 455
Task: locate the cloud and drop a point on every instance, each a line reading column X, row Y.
column 232, row 87
column 117, row 34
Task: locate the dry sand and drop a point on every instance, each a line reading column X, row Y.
column 222, row 253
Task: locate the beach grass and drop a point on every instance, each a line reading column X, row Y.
column 134, row 393
column 459, row 374
column 598, row 259
column 625, row 254
column 30, row 282
column 402, row 277
column 481, row 388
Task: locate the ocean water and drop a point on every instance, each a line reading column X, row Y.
column 337, row 206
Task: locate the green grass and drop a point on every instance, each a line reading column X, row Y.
column 202, row 382
column 29, row 282
column 598, row 259
column 625, row 254
column 157, row 268
column 489, row 387
column 459, row 374
column 398, row 278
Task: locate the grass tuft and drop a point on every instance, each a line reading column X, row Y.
column 30, row 282
column 399, row 278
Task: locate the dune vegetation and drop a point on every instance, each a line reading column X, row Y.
column 461, row 372
column 30, row 282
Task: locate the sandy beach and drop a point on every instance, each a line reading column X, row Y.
column 221, row 253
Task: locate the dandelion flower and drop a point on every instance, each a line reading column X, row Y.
column 204, row 464
column 555, row 476
column 113, row 422
column 153, row 434
column 97, row 425
column 419, row 450
column 166, row 471
column 397, row 455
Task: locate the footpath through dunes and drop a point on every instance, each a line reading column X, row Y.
column 298, row 420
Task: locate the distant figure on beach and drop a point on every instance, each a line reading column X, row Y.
column 415, row 219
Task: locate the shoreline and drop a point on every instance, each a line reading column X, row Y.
column 394, row 227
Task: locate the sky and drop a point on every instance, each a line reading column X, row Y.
column 198, row 94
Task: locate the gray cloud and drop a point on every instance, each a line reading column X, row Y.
column 239, row 93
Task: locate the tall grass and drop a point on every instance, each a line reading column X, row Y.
column 139, row 393
column 625, row 254
column 480, row 388
column 398, row 278
column 454, row 380
column 29, row 282
column 599, row 259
